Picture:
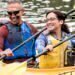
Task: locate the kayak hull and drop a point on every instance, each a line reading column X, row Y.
column 21, row 69
column 56, row 71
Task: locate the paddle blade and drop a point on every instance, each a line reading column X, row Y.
column 14, row 69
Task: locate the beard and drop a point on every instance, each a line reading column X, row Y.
column 15, row 20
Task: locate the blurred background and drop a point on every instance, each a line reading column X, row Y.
column 35, row 11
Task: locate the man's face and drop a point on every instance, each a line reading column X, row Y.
column 14, row 11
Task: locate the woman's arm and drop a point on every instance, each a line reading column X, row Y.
column 40, row 43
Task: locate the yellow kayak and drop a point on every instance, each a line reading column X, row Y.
column 21, row 69
column 56, row 71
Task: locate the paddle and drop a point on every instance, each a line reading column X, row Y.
column 32, row 58
column 19, row 68
column 44, row 51
column 69, row 12
column 16, row 48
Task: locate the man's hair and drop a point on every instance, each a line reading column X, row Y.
column 14, row 1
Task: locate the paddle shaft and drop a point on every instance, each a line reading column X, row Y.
column 44, row 51
column 24, row 42
column 16, row 48
column 37, row 34
column 69, row 12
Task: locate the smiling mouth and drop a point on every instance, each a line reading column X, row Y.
column 50, row 27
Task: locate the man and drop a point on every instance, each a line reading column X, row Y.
column 14, row 33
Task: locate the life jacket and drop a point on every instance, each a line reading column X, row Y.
column 55, row 58
column 16, row 36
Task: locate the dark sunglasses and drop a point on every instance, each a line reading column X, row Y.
column 13, row 12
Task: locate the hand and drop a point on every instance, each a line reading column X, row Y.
column 49, row 48
column 8, row 52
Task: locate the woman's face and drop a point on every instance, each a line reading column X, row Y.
column 53, row 23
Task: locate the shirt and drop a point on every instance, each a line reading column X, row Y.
column 44, row 39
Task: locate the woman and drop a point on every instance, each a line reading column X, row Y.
column 56, row 31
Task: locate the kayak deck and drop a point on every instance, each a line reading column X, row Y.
column 21, row 69
column 56, row 71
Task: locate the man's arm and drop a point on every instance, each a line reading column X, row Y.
column 3, row 35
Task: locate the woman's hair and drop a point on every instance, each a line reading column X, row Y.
column 60, row 16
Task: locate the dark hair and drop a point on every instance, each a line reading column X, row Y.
column 60, row 16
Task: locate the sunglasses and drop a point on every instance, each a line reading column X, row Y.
column 13, row 12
